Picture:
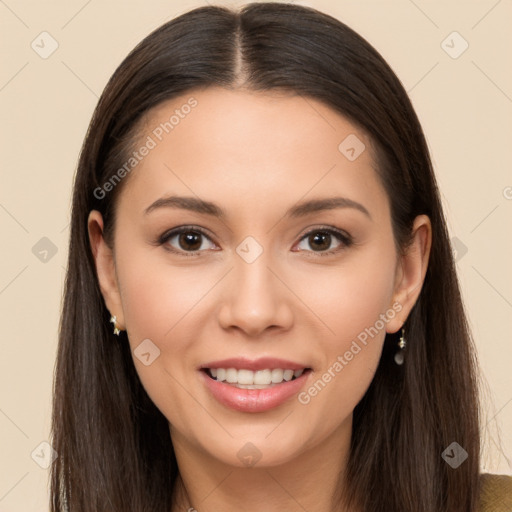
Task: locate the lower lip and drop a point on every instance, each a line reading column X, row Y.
column 253, row 400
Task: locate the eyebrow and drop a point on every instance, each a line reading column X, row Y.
column 299, row 210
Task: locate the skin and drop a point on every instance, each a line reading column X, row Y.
column 256, row 155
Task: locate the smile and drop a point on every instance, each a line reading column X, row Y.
column 253, row 385
column 248, row 379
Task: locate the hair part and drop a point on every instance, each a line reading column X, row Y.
column 409, row 414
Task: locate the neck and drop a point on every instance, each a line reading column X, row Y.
column 305, row 482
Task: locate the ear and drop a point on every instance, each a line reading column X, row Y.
column 411, row 271
column 105, row 267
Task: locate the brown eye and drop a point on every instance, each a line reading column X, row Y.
column 320, row 240
column 188, row 240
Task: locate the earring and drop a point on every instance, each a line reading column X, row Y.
column 113, row 320
column 399, row 356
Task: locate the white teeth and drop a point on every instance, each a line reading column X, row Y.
column 288, row 374
column 263, row 377
column 248, row 379
column 277, row 376
column 245, row 377
column 231, row 375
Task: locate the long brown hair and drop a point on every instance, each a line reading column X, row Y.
column 114, row 448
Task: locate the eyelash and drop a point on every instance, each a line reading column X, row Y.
column 346, row 240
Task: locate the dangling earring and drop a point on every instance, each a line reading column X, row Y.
column 113, row 320
column 399, row 356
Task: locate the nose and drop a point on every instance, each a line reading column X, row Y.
column 255, row 298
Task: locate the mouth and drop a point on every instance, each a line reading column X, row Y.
column 249, row 379
column 254, row 385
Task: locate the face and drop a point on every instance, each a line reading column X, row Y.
column 268, row 285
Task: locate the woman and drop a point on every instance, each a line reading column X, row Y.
column 261, row 307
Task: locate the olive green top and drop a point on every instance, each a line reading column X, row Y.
column 496, row 493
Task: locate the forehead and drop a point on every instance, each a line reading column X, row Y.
column 244, row 146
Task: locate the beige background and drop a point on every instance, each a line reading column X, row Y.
column 464, row 105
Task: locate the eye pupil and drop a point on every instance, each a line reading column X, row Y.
column 188, row 239
column 322, row 237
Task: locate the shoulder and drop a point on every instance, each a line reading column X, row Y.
column 495, row 493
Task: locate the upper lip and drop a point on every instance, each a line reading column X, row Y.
column 263, row 363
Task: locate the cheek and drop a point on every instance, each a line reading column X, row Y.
column 350, row 298
column 156, row 295
column 354, row 302
column 160, row 303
